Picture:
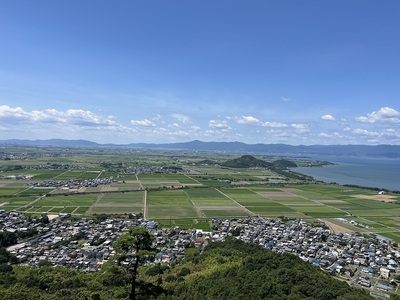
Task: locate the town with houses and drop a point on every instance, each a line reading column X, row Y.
column 72, row 185
column 86, row 244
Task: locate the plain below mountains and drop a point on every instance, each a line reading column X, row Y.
column 389, row 151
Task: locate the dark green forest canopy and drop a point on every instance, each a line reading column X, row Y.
column 227, row 270
column 246, row 161
column 249, row 161
column 237, row 270
column 283, row 164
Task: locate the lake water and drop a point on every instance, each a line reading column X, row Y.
column 362, row 171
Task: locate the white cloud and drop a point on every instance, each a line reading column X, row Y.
column 329, row 135
column 328, row 118
column 179, row 133
column 324, row 135
column 7, row 111
column 182, row 118
column 144, row 123
column 71, row 116
column 158, row 118
column 274, row 124
column 69, row 124
column 383, row 115
column 219, row 124
column 15, row 122
column 300, row 127
column 250, row 120
column 195, row 128
column 391, row 134
column 82, row 117
column 359, row 131
column 285, row 99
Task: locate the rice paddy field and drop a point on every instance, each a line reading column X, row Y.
column 194, row 195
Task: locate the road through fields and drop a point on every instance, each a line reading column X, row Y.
column 237, row 203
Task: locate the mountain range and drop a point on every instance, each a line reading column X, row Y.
column 390, row 151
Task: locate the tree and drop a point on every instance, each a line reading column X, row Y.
column 132, row 250
column 44, row 219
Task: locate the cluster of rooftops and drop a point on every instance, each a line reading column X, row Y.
column 86, row 245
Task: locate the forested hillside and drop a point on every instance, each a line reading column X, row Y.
column 228, row 270
column 246, row 161
column 236, row 270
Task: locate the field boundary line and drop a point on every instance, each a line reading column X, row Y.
column 98, row 176
column 200, row 213
column 237, row 203
column 89, row 210
column 145, row 204
column 32, row 202
column 195, row 180
column 384, row 225
column 316, row 201
column 140, row 182
column 60, row 174
column 17, row 193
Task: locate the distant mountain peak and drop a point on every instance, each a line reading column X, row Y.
column 390, row 151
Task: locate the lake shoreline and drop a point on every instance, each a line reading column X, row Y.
column 372, row 173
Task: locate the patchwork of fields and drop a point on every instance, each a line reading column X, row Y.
column 200, row 194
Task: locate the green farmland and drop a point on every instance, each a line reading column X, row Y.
column 191, row 194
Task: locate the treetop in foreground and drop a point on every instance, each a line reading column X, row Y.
column 238, row 270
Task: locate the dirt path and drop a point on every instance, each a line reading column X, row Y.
column 237, row 203
column 199, row 212
column 31, row 203
column 195, row 180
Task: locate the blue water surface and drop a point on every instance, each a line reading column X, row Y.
column 363, row 171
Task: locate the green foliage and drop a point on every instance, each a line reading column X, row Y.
column 132, row 250
column 5, row 268
column 53, row 283
column 100, row 217
column 8, row 238
column 184, row 272
column 228, row 270
column 283, row 164
column 246, row 161
column 249, row 161
column 157, row 269
column 6, row 257
column 131, row 244
column 236, row 270
column 170, row 278
column 27, row 233
column 44, row 219
column 44, row 263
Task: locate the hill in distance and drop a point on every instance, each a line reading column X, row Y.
column 249, row 161
column 390, row 151
column 246, row 161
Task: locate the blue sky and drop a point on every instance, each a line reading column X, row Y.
column 294, row 72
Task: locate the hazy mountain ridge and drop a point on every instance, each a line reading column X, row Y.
column 390, row 151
